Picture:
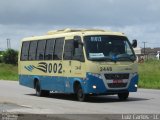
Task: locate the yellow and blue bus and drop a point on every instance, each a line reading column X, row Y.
column 79, row 61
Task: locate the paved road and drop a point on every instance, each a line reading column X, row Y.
column 20, row 99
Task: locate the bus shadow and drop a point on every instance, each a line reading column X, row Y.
column 112, row 98
column 59, row 96
column 92, row 99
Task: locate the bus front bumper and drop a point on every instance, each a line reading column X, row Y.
column 96, row 85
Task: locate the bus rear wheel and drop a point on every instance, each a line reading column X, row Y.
column 123, row 96
column 39, row 92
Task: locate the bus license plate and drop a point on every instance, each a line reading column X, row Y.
column 117, row 81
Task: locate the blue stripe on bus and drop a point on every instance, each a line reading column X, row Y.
column 65, row 84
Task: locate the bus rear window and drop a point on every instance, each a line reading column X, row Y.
column 24, row 52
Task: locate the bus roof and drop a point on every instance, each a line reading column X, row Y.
column 72, row 32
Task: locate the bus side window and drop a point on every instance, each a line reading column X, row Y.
column 41, row 49
column 32, row 50
column 68, row 50
column 49, row 49
column 24, row 51
column 58, row 49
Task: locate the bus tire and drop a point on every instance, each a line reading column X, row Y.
column 123, row 96
column 39, row 92
column 81, row 96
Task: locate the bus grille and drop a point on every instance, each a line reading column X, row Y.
column 116, row 76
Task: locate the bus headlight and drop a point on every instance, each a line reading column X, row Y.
column 94, row 86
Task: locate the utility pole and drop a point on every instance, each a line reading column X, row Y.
column 8, row 43
column 144, row 48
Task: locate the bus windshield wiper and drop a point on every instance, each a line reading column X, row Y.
column 101, row 59
column 125, row 56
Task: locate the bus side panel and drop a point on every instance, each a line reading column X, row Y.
column 26, row 80
column 59, row 84
column 52, row 83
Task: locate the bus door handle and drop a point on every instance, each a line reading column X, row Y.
column 65, row 71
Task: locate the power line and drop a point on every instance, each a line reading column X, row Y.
column 8, row 43
column 153, row 43
column 149, row 45
column 144, row 47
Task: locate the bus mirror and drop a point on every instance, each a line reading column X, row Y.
column 77, row 41
column 134, row 43
column 76, row 44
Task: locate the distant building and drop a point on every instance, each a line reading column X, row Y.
column 158, row 55
column 150, row 52
column 138, row 52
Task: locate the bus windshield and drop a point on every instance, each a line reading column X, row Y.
column 108, row 48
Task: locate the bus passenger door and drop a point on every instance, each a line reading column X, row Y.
column 67, row 63
column 78, row 69
column 67, row 73
column 78, row 63
column 67, row 68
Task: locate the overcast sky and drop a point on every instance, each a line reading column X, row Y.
column 138, row 19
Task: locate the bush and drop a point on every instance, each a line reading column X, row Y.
column 1, row 59
column 10, row 56
column 1, row 56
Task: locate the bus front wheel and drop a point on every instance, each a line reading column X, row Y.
column 123, row 96
column 39, row 92
column 81, row 96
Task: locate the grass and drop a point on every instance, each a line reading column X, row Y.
column 8, row 72
column 149, row 74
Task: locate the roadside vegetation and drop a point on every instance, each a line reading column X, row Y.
column 149, row 74
column 8, row 65
column 8, row 72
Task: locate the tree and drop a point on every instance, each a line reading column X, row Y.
column 1, row 56
column 10, row 56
